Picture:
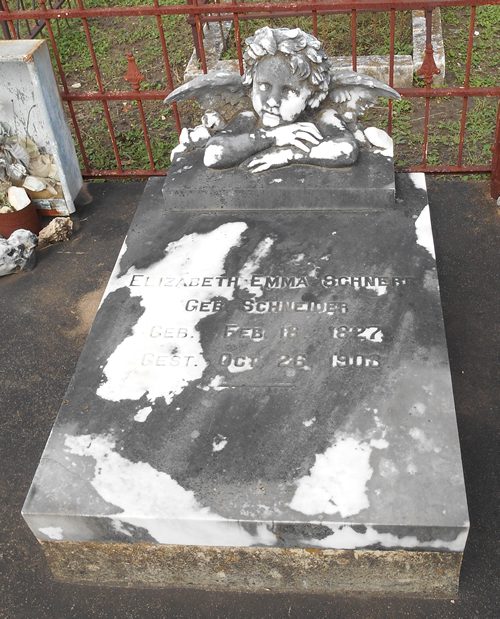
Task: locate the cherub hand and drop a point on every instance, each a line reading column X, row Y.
column 300, row 135
column 274, row 159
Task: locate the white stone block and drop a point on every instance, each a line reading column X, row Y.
column 30, row 105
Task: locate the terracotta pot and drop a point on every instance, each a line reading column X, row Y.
column 27, row 218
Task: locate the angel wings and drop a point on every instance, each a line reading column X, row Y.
column 289, row 106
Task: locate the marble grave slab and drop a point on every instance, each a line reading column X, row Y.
column 269, row 383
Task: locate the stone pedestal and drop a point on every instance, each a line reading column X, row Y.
column 263, row 403
column 31, row 107
column 369, row 184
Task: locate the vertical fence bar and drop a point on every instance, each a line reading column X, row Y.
column 315, row 20
column 11, row 29
column 427, row 71
column 101, row 89
column 57, row 21
column 354, row 39
column 5, row 30
column 134, row 77
column 64, row 83
column 465, row 102
column 392, row 26
column 199, row 36
column 26, row 21
column 168, row 68
column 194, row 34
column 237, row 38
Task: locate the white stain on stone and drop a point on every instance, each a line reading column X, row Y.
column 219, row 443
column 360, row 136
column 418, row 180
column 274, row 158
column 418, row 409
column 180, row 148
column 276, row 180
column 387, row 468
column 198, row 134
column 345, row 537
column 330, row 118
column 143, row 414
column 380, row 139
column 331, row 150
column 119, row 527
column 337, row 480
column 213, row 154
column 309, row 422
column 423, row 229
column 379, row 443
column 55, row 533
column 424, row 443
column 152, row 499
column 380, row 290
column 132, row 369
column 252, row 264
column 411, row 469
column 217, row 383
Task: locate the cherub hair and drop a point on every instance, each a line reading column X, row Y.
column 307, row 58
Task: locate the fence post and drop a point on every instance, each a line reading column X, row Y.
column 495, row 165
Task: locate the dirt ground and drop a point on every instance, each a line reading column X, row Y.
column 45, row 316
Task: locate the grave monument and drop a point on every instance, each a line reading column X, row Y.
column 264, row 401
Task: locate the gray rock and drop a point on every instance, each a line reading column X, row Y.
column 59, row 229
column 17, row 253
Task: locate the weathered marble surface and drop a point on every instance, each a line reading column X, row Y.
column 297, row 409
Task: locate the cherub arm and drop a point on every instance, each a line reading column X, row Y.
column 339, row 147
column 336, row 147
column 243, row 139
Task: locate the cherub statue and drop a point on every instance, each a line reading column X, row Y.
column 304, row 111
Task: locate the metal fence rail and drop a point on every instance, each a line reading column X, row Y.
column 47, row 17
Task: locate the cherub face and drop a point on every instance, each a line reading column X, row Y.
column 278, row 96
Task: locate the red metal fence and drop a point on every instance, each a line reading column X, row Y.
column 167, row 29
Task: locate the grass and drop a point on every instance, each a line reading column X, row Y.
column 114, row 37
column 445, row 117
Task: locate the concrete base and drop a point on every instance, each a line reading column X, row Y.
column 298, row 570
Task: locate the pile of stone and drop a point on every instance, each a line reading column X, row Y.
column 26, row 172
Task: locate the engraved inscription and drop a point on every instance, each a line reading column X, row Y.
column 255, row 320
column 296, row 361
column 355, row 361
column 363, row 281
column 253, row 333
column 368, row 333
